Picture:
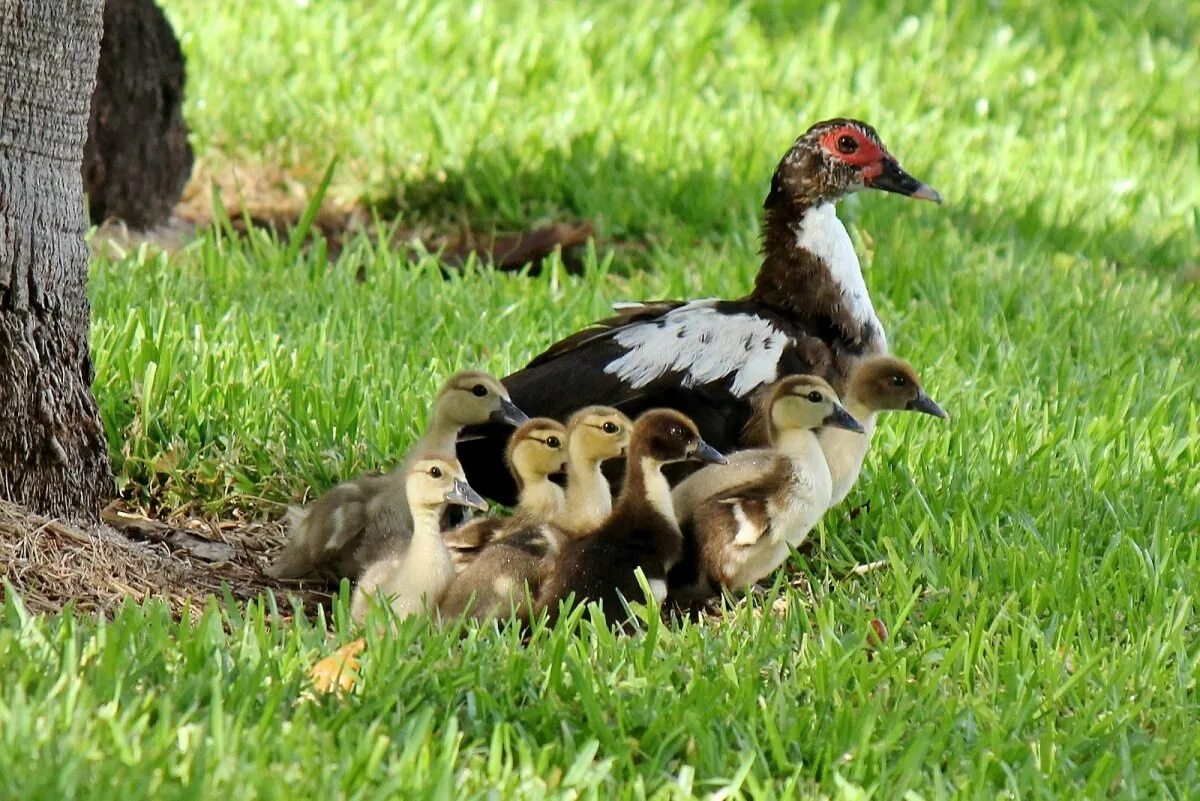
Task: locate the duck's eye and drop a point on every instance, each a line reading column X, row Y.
column 847, row 144
column 479, row 390
column 553, row 442
column 815, row 396
column 435, row 472
column 899, row 381
column 610, row 428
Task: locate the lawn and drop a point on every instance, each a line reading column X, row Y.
column 1042, row 549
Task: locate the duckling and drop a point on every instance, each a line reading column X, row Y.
column 328, row 534
column 595, row 434
column 878, row 383
column 739, row 520
column 416, row 570
column 536, row 451
column 641, row 532
column 506, row 574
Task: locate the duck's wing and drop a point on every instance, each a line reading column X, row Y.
column 704, row 358
column 627, row 314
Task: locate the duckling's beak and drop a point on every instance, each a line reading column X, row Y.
column 893, row 178
column 840, row 418
column 463, row 495
column 926, row 405
column 508, row 413
column 707, row 453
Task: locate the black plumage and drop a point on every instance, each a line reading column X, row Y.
column 706, row 359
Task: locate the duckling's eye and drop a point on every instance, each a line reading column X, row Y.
column 815, row 396
column 435, row 472
column 899, row 381
column 552, row 442
column 479, row 390
column 847, row 144
column 610, row 428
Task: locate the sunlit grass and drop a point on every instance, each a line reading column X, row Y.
column 1041, row 547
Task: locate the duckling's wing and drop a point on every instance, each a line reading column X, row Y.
column 748, row 473
column 466, row 541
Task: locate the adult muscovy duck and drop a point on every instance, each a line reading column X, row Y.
column 809, row 312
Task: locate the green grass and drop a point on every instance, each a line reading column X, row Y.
column 1042, row 546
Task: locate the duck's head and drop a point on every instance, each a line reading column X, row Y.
column 807, row 402
column 886, row 383
column 834, row 158
column 596, row 433
column 434, row 481
column 665, row 436
column 536, row 450
column 471, row 397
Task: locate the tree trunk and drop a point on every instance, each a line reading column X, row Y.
column 53, row 454
column 137, row 158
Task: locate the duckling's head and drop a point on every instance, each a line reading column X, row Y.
column 536, row 450
column 807, row 402
column 434, row 481
column 471, row 397
column 665, row 436
column 886, row 383
column 596, row 433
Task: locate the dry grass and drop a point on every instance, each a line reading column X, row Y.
column 51, row 563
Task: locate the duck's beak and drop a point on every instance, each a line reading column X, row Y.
column 463, row 495
column 707, row 453
column 840, row 418
column 508, row 413
column 926, row 405
column 893, row 178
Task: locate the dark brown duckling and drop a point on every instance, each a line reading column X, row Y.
column 641, row 532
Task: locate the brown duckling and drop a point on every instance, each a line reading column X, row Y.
column 739, row 519
column 878, row 383
column 640, row 533
column 327, row 536
column 416, row 570
column 536, row 451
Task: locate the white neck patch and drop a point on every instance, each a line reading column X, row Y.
column 821, row 233
column 703, row 344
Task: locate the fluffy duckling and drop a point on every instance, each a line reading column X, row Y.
column 536, row 451
column 738, row 520
column 328, row 534
column 641, row 532
column 416, row 570
column 595, row 434
column 506, row 574
column 878, row 383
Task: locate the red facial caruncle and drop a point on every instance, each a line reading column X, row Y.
column 851, row 145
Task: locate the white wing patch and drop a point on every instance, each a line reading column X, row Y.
column 821, row 233
column 747, row 532
column 703, row 344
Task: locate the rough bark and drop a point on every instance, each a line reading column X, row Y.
column 137, row 158
column 53, row 454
